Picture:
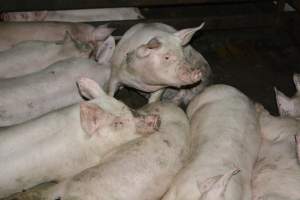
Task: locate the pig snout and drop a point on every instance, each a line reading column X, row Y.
column 147, row 124
column 189, row 76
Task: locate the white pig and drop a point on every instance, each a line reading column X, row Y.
column 82, row 15
column 140, row 170
column 31, row 56
column 276, row 174
column 33, row 95
column 65, row 142
column 225, row 140
column 12, row 33
column 289, row 106
column 150, row 57
column 184, row 96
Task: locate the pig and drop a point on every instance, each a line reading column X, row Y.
column 289, row 106
column 33, row 95
column 224, row 145
column 277, row 171
column 12, row 33
column 150, row 57
column 31, row 56
column 65, row 142
column 142, row 169
column 184, row 96
column 82, row 15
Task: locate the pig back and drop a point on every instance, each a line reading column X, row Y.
column 14, row 32
column 224, row 136
column 277, row 171
column 31, row 96
column 228, row 128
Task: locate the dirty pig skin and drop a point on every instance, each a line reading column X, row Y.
column 65, row 142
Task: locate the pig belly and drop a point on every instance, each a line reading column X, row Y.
column 31, row 96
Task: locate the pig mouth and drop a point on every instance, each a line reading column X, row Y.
column 187, row 76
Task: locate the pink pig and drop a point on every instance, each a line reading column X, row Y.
column 150, row 57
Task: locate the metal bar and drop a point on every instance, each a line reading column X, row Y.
column 212, row 23
column 32, row 5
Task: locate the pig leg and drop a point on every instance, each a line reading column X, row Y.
column 155, row 96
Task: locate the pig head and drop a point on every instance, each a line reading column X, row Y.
column 289, row 106
column 105, row 111
column 150, row 57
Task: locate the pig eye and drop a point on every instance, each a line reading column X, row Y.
column 167, row 57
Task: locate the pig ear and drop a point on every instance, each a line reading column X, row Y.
column 296, row 78
column 153, row 43
column 106, row 50
column 92, row 117
column 185, row 35
column 284, row 104
column 102, row 32
column 147, row 124
column 215, row 187
column 142, row 51
column 145, row 49
column 89, row 88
